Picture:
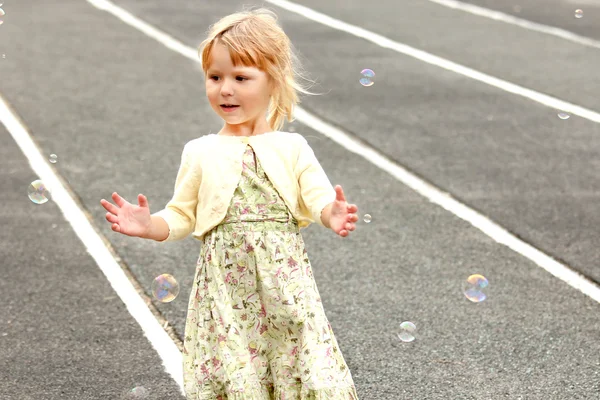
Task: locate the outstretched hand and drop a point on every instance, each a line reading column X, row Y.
column 343, row 215
column 127, row 218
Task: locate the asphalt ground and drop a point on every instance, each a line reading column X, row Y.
column 116, row 107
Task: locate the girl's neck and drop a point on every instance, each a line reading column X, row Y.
column 239, row 135
column 245, row 131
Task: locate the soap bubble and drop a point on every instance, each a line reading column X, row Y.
column 563, row 115
column 367, row 218
column 578, row 13
column 38, row 192
column 474, row 286
column 138, row 392
column 53, row 158
column 407, row 331
column 367, row 79
column 165, row 288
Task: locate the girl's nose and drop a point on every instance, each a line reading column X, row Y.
column 226, row 88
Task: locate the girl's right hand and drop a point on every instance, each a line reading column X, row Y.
column 127, row 218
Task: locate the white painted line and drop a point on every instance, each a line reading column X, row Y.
column 148, row 29
column 158, row 338
column 161, row 37
column 593, row 3
column 425, row 189
column 523, row 23
column 384, row 42
column 445, row 200
column 435, row 195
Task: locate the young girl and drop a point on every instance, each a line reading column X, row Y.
column 256, row 328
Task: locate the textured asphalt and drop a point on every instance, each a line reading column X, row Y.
column 117, row 108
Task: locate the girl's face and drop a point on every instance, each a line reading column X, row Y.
column 246, row 88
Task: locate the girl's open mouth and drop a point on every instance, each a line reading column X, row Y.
column 228, row 108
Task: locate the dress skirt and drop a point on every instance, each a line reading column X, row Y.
column 256, row 328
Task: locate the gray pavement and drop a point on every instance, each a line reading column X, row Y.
column 557, row 13
column 65, row 334
column 117, row 108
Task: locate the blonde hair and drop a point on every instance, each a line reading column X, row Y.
column 254, row 38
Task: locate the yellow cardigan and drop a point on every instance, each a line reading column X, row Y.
column 210, row 170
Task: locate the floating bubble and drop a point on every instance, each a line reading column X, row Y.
column 165, row 288
column 563, row 115
column 138, row 392
column 407, row 331
column 578, row 13
column 53, row 158
column 474, row 286
column 367, row 79
column 367, row 218
column 38, row 192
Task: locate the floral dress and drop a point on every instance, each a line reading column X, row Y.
column 256, row 328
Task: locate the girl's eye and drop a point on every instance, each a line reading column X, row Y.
column 239, row 78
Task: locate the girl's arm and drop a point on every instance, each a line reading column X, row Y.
column 327, row 205
column 316, row 191
column 159, row 229
column 178, row 219
column 326, row 215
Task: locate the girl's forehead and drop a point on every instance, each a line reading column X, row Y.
column 221, row 57
column 230, row 67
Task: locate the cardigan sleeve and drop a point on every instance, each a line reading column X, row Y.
column 180, row 211
column 316, row 190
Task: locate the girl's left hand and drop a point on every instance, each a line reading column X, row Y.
column 343, row 215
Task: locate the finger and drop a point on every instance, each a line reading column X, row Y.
column 110, row 207
column 116, row 228
column 118, row 199
column 142, row 200
column 352, row 218
column 352, row 208
column 112, row 218
column 339, row 193
column 350, row 227
column 343, row 233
